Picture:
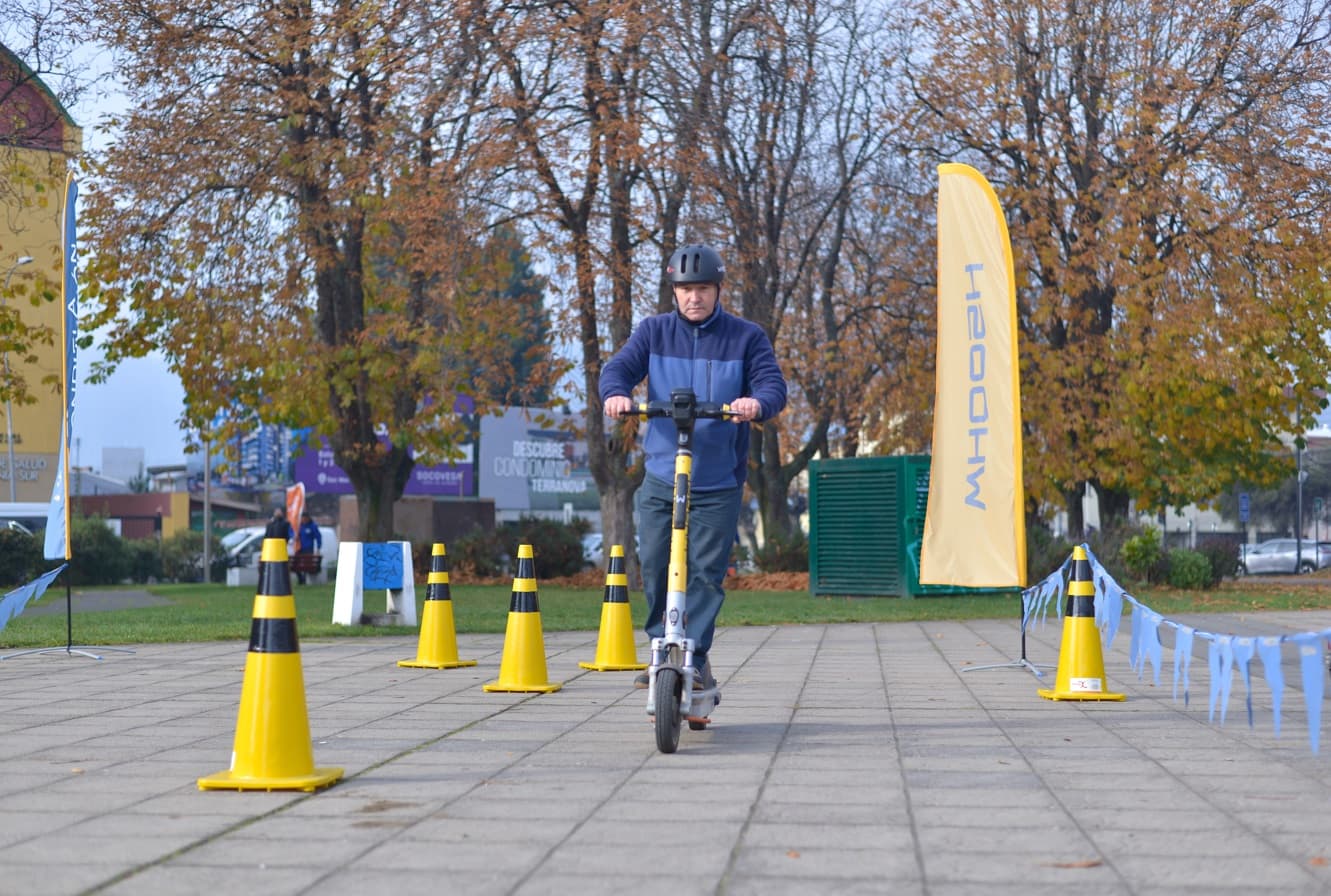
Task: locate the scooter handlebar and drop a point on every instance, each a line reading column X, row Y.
column 701, row 410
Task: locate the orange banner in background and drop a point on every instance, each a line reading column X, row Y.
column 974, row 529
column 295, row 509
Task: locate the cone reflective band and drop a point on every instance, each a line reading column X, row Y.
column 1081, row 664
column 438, row 645
column 614, row 647
column 522, row 667
column 272, row 749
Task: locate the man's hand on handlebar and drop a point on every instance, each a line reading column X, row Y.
column 745, row 409
column 619, row 406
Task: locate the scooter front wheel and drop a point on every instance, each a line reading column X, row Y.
column 668, row 716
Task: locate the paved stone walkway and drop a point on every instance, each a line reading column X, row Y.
column 843, row 759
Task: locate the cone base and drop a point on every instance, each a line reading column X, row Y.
column 1080, row 695
column 229, row 780
column 613, row 667
column 515, row 688
column 426, row 664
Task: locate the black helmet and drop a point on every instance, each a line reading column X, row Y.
column 696, row 264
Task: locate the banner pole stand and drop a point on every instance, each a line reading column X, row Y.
column 1022, row 663
column 70, row 649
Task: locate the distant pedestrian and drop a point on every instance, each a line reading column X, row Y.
column 278, row 527
column 311, row 542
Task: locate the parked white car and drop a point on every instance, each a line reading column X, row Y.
column 243, row 546
column 593, row 553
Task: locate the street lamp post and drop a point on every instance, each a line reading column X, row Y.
column 9, row 408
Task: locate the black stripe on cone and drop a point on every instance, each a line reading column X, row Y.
column 274, row 574
column 524, row 588
column 273, row 636
column 437, row 585
column 1081, row 589
column 616, row 581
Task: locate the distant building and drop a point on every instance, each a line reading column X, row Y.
column 168, row 478
column 125, row 464
column 86, row 482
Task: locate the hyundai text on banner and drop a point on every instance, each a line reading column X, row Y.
column 974, row 528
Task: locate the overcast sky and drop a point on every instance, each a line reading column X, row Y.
column 137, row 408
column 139, row 405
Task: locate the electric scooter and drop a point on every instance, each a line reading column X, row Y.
column 671, row 693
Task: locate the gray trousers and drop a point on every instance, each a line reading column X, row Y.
column 713, row 525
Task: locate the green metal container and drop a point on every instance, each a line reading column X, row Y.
column 866, row 520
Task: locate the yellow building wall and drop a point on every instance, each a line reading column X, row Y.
column 178, row 519
column 32, row 199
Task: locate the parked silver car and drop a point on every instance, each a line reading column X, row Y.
column 1280, row 555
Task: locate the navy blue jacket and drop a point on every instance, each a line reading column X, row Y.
column 721, row 359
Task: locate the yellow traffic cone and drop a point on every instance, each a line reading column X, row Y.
column 438, row 646
column 272, row 748
column 1081, row 663
column 522, row 667
column 614, row 646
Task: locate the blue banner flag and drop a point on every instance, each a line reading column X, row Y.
column 1227, row 655
column 13, row 603
column 57, row 544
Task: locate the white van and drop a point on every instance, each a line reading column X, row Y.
column 243, row 546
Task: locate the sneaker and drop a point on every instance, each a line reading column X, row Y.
column 640, row 681
column 703, row 677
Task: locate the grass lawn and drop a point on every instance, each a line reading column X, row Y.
column 216, row 613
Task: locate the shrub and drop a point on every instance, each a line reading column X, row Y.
column 1107, row 542
column 1141, row 554
column 20, row 558
column 182, row 556
column 1044, row 552
column 145, row 559
column 784, row 554
column 1223, row 555
column 479, row 553
column 557, row 547
column 100, row 555
column 422, row 555
column 1189, row 569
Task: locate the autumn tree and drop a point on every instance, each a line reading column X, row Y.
column 888, row 333
column 750, row 126
column 287, row 213
column 1163, row 167
column 592, row 145
column 514, row 362
column 791, row 128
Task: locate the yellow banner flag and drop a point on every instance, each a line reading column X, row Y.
column 974, row 528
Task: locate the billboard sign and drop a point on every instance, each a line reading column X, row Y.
column 529, row 461
column 322, row 476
